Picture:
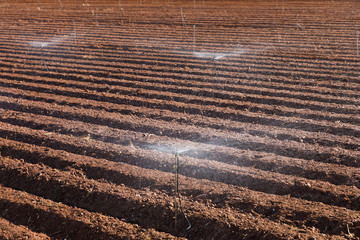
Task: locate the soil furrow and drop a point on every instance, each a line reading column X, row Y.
column 257, row 102
column 248, row 77
column 208, row 36
column 183, row 118
column 220, row 92
column 90, row 195
column 248, row 158
column 202, row 98
column 298, row 187
column 259, row 62
column 194, row 189
column 226, row 89
column 206, row 110
column 168, row 54
column 178, row 69
column 185, row 132
column 61, row 221
column 223, row 91
column 10, row 231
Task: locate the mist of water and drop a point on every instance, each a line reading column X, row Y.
column 51, row 41
column 218, row 55
column 172, row 149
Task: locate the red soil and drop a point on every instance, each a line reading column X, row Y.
column 260, row 99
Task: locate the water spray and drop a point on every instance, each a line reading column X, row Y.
column 177, row 200
column 182, row 17
column 53, row 41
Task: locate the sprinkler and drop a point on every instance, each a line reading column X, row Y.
column 177, row 196
column 53, row 41
column 215, row 58
column 177, row 200
column 42, row 59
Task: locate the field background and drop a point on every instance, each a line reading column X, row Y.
column 260, row 99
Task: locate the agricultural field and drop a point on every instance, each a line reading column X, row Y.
column 257, row 101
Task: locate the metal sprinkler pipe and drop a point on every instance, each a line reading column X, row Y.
column 42, row 58
column 177, row 202
column 176, row 189
column 215, row 67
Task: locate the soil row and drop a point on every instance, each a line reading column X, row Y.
column 123, row 94
column 179, row 132
column 220, row 89
column 226, row 172
column 293, row 39
column 137, row 206
column 9, row 231
column 102, row 90
column 215, row 148
column 60, row 221
column 89, row 194
column 275, row 208
column 244, row 56
column 97, row 99
column 245, row 103
column 131, row 97
column 231, row 68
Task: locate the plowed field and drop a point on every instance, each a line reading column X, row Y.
column 260, row 101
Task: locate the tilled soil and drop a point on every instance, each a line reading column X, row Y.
column 258, row 99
